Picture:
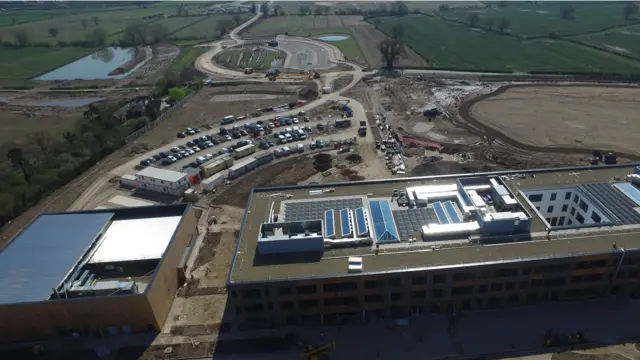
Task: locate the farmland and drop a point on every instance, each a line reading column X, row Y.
column 450, row 45
column 349, row 47
column 29, row 62
column 303, row 25
column 540, row 19
column 207, row 29
column 186, row 58
column 291, row 7
column 625, row 40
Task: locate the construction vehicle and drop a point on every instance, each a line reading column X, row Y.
column 248, row 71
column 272, row 43
column 318, row 352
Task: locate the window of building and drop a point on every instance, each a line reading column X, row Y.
column 535, row 197
column 548, row 220
column 532, row 298
column 509, row 272
column 438, row 279
column 554, row 221
column 575, row 199
column 553, row 196
column 538, row 208
column 497, row 287
column 573, row 211
column 464, row 276
column 583, row 205
column 526, row 271
column 420, row 294
column 462, row 290
column 536, row 283
column 554, row 282
column 372, row 284
column 251, row 294
column 339, row 287
column 284, row 291
column 511, row 286
column 569, row 222
column 595, row 217
column 437, row 293
column 395, row 282
column 513, row 299
column 253, row 308
column 523, row 284
column 397, row 296
column 580, row 218
column 419, row 280
column 306, row 289
column 341, row 301
column 567, row 196
column 308, row 303
column 550, row 209
column 565, row 207
column 561, row 221
column 483, row 288
column 286, row 305
column 373, row 298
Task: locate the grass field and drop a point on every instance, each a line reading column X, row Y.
column 261, row 59
column 291, row 7
column 28, row 62
column 206, row 29
column 349, row 47
column 303, row 25
column 625, row 40
column 449, row 45
column 529, row 19
column 186, row 58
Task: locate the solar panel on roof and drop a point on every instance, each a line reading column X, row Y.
column 345, row 224
column 361, row 223
column 329, row 226
column 440, row 213
column 451, row 211
column 383, row 224
column 618, row 204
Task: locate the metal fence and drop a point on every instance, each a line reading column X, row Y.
column 160, row 118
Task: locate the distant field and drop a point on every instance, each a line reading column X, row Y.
column 625, row 40
column 449, row 45
column 29, row 62
column 529, row 19
column 186, row 58
column 302, row 25
column 292, row 7
column 349, row 48
column 260, row 59
column 206, row 29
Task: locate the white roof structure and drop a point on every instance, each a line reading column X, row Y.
column 136, row 239
column 125, row 201
column 162, row 174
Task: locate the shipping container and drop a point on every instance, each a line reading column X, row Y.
column 216, row 166
column 242, row 167
column 211, row 182
column 264, row 158
column 244, row 151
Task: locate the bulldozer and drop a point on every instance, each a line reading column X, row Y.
column 318, row 352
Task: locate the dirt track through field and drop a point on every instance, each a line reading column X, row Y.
column 476, row 125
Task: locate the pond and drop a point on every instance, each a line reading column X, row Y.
column 95, row 66
column 333, row 38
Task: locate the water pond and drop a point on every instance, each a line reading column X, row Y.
column 65, row 103
column 95, row 66
column 333, row 38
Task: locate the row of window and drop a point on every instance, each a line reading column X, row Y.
column 538, row 197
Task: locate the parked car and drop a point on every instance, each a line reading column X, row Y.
column 172, row 158
column 228, row 137
column 164, row 154
column 175, row 150
column 157, row 157
column 208, row 156
column 295, row 120
column 190, row 144
column 166, row 162
column 195, row 149
column 196, row 130
column 145, row 163
column 181, row 135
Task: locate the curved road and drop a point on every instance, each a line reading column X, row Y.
column 205, row 65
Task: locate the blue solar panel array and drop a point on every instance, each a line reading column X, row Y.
column 630, row 191
column 451, row 211
column 440, row 213
column 329, row 225
column 361, row 222
column 615, row 201
column 345, row 224
column 383, row 224
column 314, row 210
column 39, row 259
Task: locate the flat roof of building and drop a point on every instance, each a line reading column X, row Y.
column 162, row 174
column 51, row 248
column 249, row 266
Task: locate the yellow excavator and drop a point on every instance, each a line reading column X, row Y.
column 318, row 352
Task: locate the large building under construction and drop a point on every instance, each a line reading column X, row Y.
column 403, row 247
column 93, row 273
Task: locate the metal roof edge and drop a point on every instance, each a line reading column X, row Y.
column 235, row 251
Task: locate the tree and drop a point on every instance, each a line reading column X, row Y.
column 630, row 9
column 277, row 10
column 397, row 31
column 504, row 24
column 224, row 25
column 180, row 10
column 158, row 33
column 95, row 20
column 177, row 94
column 489, row 23
column 18, row 161
column 443, row 7
column 473, row 17
column 553, row 35
column 325, row 10
column 376, row 23
column 401, row 8
column 53, row 32
column 83, row 22
column 264, row 8
column 237, row 19
column 97, row 37
column 254, row 7
column 566, row 12
column 304, row 10
column 382, row 8
column 391, row 51
column 318, row 11
column 135, row 33
column 22, row 37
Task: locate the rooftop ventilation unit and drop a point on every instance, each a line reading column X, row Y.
column 355, row 264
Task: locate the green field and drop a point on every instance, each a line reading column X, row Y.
column 186, row 58
column 624, row 40
column 29, row 62
column 261, row 59
column 529, row 19
column 207, row 29
column 292, row 7
column 303, row 25
column 349, row 47
column 453, row 46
